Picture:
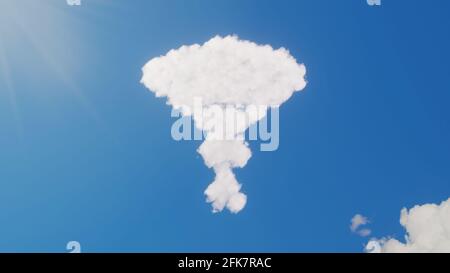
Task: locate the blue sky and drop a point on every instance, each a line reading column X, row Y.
column 86, row 152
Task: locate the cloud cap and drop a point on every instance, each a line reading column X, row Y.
column 225, row 70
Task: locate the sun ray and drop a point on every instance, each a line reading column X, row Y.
column 53, row 21
column 6, row 77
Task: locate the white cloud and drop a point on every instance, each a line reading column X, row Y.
column 356, row 222
column 427, row 230
column 364, row 232
column 224, row 71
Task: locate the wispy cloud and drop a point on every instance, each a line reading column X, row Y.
column 357, row 221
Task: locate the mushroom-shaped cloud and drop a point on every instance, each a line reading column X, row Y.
column 224, row 72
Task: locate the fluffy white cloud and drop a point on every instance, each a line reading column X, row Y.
column 224, row 72
column 234, row 153
column 427, row 230
column 225, row 190
column 222, row 155
column 356, row 222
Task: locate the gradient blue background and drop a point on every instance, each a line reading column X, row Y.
column 86, row 152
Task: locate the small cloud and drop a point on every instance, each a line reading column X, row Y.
column 356, row 222
column 427, row 230
column 364, row 232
